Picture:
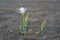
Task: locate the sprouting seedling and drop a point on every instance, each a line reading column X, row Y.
column 24, row 21
column 41, row 28
column 25, row 24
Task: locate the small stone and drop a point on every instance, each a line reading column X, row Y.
column 36, row 33
column 44, row 37
column 10, row 30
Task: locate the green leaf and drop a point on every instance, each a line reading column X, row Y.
column 23, row 26
column 42, row 27
column 26, row 20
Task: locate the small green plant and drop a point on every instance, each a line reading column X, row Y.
column 41, row 28
column 24, row 20
column 24, row 24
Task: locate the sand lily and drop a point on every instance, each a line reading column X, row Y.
column 24, row 20
column 22, row 10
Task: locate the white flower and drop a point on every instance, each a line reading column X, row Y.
column 22, row 10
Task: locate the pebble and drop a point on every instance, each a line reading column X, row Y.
column 11, row 31
column 44, row 37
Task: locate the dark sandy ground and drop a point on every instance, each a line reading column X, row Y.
column 38, row 11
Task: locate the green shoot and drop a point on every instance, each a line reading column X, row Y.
column 42, row 27
column 24, row 24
